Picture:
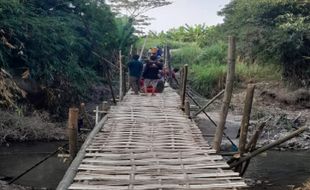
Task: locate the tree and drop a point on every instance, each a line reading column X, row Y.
column 135, row 9
column 54, row 41
column 275, row 30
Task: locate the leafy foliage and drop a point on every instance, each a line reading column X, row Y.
column 56, row 41
column 277, row 30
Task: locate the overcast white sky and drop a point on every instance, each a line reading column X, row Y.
column 183, row 12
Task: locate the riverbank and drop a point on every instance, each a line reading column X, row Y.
column 285, row 111
column 37, row 126
column 267, row 171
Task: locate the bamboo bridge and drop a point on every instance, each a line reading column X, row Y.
column 148, row 142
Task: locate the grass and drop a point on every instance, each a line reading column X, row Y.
column 258, row 72
column 185, row 55
column 154, row 42
column 209, row 79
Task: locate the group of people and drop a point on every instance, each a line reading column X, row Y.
column 150, row 72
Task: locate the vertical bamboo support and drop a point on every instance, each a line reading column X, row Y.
column 169, row 63
column 181, row 79
column 120, row 76
column 227, row 94
column 131, row 50
column 124, row 82
column 165, row 56
column 246, row 118
column 84, row 116
column 184, row 85
column 72, row 131
column 187, row 108
column 97, row 115
column 105, row 106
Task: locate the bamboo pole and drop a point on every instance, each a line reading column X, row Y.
column 246, row 118
column 124, row 82
column 105, row 106
column 169, row 63
column 72, row 170
column 184, row 83
column 227, row 94
column 187, row 108
column 209, row 103
column 252, row 144
column 72, row 131
column 97, row 115
column 269, row 146
column 120, row 76
column 85, row 117
column 142, row 49
column 110, row 86
column 130, row 51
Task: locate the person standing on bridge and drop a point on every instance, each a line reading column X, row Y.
column 151, row 74
column 135, row 70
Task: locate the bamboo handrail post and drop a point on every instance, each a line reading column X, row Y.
column 184, row 83
column 169, row 63
column 187, row 108
column 227, row 94
column 97, row 115
column 73, row 130
column 124, row 82
column 104, row 108
column 246, row 118
column 120, row 76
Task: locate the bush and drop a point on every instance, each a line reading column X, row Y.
column 258, row 72
column 207, row 79
column 185, row 55
column 215, row 53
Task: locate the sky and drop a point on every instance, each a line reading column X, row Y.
column 182, row 12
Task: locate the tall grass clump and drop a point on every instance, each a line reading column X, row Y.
column 185, row 55
column 207, row 79
column 258, row 72
column 215, row 53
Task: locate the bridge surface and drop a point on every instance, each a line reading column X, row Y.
column 147, row 142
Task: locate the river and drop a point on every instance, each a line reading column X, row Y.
column 275, row 170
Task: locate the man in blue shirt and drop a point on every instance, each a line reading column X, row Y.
column 135, row 70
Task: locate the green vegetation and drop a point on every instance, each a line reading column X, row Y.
column 273, row 43
column 55, row 45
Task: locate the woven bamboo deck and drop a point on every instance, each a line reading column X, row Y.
column 148, row 143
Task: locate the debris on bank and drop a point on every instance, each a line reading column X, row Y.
column 36, row 127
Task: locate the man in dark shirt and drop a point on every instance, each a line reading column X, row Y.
column 135, row 70
column 151, row 74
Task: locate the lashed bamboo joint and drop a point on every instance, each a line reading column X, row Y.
column 147, row 142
